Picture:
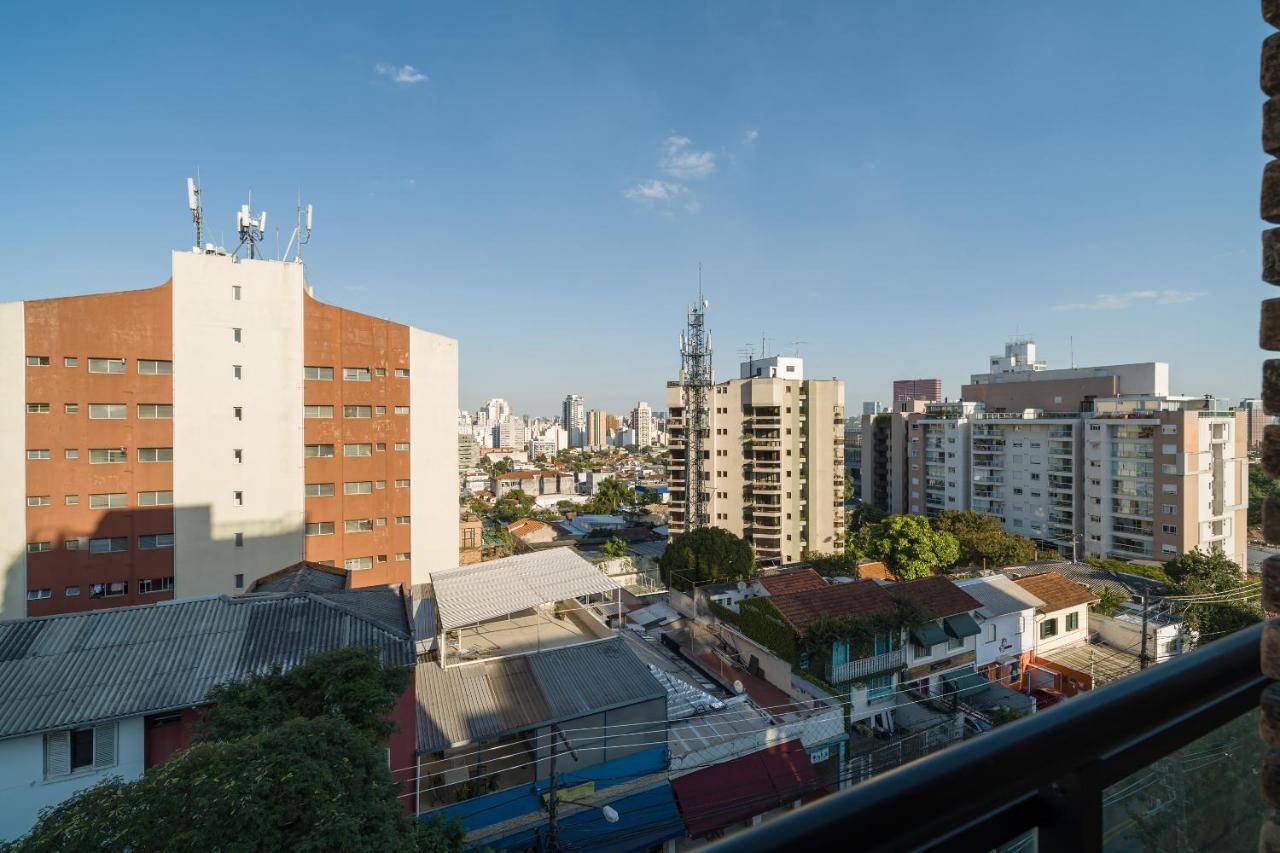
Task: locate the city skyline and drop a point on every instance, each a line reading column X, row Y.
column 706, row 136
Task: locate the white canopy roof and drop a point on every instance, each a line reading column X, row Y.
column 472, row 594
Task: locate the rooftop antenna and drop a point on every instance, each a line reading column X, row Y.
column 251, row 230
column 301, row 234
column 197, row 212
column 1072, row 343
column 695, row 381
column 797, row 344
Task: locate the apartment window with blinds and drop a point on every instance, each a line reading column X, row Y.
column 402, row 410
column 402, row 519
column 402, row 372
column 107, row 455
column 154, row 542
column 353, row 564
column 111, row 500
column 79, row 751
column 71, row 500
column 402, row 445
column 38, row 500
column 402, row 555
column 106, row 365
column 155, row 367
column 37, row 361
column 356, row 374
column 357, row 450
column 108, row 411
column 109, row 545
column 319, row 490
column 381, row 371
column 70, row 361
column 70, row 408
column 155, row 454
column 320, row 528
column 39, row 547
column 150, row 585
column 358, row 487
column 318, row 451
column 316, row 373
column 317, row 412
column 357, row 411
column 379, row 410
column 37, row 408
column 402, row 484
column 159, row 498
column 357, row 525
column 38, row 594
column 154, row 411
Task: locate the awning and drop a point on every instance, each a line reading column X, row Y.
column 738, row 790
column 645, row 820
column 963, row 682
column 961, row 625
column 928, row 634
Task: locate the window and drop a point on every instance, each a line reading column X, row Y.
column 237, row 412
column 151, row 585
column 237, row 455
column 1035, row 475
column 79, row 751
column 106, row 365
column 381, row 447
column 37, row 361
column 402, row 519
column 1168, row 549
column 236, row 371
column 921, row 651
column 111, row 545
column 37, row 594
column 239, row 581
column 107, row 455
column 1168, row 429
column 382, row 558
column 235, row 292
column 402, row 445
column 1048, row 628
column 1169, row 509
column 954, row 643
column 155, row 411
column 154, row 367
column 70, row 361
column 155, row 454
column 159, row 498
column 236, row 335
column 1169, row 449
column 357, row 525
column 402, row 484
column 319, row 490
column 71, row 500
column 353, row 564
column 1073, row 621
column 317, row 451
column 379, row 410
column 71, row 591
column 381, row 371
column 73, row 544
column 154, row 542
column 318, row 374
column 237, row 498
column 1168, row 469
column 1168, row 528
column 238, row 539
column 379, row 484
column 357, row 411
column 991, row 633
column 108, row 411
column 111, row 500
column 1169, row 488
column 357, row 450
column 37, row 408
column 40, row 453
column 70, row 408
column 38, row 500
column 320, row 528
column 359, row 487
column 379, row 522
column 356, row 374
column 401, row 556
column 402, row 372
column 39, row 547
column 317, row 412
column 402, row 410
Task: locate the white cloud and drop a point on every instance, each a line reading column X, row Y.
column 400, row 73
column 653, row 191
column 750, row 136
column 1119, row 301
column 681, row 160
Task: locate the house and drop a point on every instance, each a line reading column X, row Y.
column 531, row 531
column 739, row 793
column 796, row 580
column 113, row 692
column 1063, row 619
column 1006, row 644
column 525, row 481
column 942, row 652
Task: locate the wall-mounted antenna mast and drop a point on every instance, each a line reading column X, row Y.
column 695, row 379
column 251, row 230
column 301, row 234
column 197, row 212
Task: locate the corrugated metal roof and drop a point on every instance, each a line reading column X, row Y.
column 998, row 595
column 75, row 669
column 478, row 701
column 472, row 594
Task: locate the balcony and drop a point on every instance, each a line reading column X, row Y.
column 1072, row 797
column 837, row 673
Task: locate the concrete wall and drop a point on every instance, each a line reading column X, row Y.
column 1063, row 637
column 433, row 392
column 26, row 791
column 205, row 433
column 13, row 486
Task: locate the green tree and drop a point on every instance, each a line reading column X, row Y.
column 611, row 550
column 1260, row 485
column 983, row 540
column 611, row 494
column 864, row 514
column 907, row 544
column 1109, row 602
column 1197, row 573
column 514, row 504
column 704, row 555
column 283, row 761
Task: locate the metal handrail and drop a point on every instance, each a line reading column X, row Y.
column 992, row 794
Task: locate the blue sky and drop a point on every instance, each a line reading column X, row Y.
column 900, row 185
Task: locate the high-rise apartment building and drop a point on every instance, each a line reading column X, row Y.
column 927, row 390
column 642, row 424
column 574, row 420
column 1256, row 421
column 774, row 460
column 188, row 438
column 597, row 429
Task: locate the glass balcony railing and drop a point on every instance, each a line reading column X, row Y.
column 1166, row 759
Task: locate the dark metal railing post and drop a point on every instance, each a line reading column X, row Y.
column 1072, row 821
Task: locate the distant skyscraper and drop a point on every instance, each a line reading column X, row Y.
column 1256, row 420
column 872, row 407
column 917, row 389
column 497, row 409
column 597, row 429
column 575, row 420
column 642, row 423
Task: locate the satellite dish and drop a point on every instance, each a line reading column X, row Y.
column 738, row 688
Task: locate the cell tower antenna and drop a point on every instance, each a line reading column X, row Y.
column 251, row 230
column 695, row 381
column 797, row 344
column 301, row 231
column 197, row 209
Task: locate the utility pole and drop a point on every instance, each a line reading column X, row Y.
column 1142, row 658
column 553, row 798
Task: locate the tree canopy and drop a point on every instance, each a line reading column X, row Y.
column 1196, row 573
column 704, row 555
column 514, row 504
column 907, row 544
column 611, row 494
column 1260, row 485
column 283, row 761
column 983, row 540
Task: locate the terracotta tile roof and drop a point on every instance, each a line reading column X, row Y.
column 876, row 572
column 846, row 599
column 1056, row 591
column 523, row 526
column 796, row 581
column 937, row 597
